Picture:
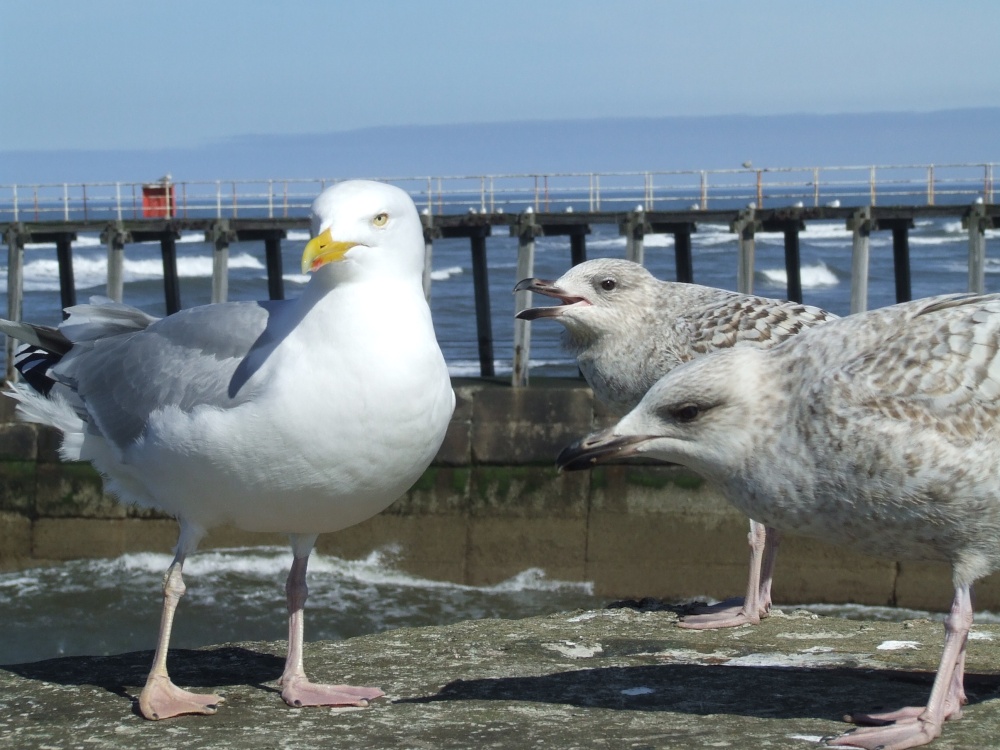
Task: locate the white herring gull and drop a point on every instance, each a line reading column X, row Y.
column 878, row 431
column 627, row 329
column 302, row 416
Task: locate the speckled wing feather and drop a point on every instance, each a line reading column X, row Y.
column 939, row 368
column 740, row 319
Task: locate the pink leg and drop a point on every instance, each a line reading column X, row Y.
column 296, row 689
column 772, row 538
column 757, row 602
column 912, row 727
column 160, row 698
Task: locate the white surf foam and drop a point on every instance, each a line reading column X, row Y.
column 273, row 563
column 443, row 274
column 42, row 274
column 817, row 276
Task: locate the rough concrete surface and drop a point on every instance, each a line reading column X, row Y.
column 615, row 678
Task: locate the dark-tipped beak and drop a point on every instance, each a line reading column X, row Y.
column 534, row 285
column 598, row 447
column 549, row 289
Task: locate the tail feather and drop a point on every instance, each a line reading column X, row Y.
column 45, row 346
column 33, row 363
column 44, row 337
column 101, row 318
column 53, row 410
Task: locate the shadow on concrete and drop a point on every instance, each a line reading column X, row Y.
column 125, row 674
column 766, row 692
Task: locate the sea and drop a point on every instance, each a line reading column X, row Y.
column 938, row 248
column 112, row 606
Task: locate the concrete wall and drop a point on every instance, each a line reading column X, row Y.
column 491, row 505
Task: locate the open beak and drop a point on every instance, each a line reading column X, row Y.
column 323, row 249
column 549, row 289
column 597, row 448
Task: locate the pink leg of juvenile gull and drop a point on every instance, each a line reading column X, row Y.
column 296, row 689
column 160, row 698
column 915, row 726
column 757, row 602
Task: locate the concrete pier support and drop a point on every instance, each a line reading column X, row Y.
column 682, row 231
column 275, row 266
column 115, row 237
column 271, row 237
column 793, row 263
column 477, row 229
column 219, row 235
column 634, row 229
column 481, row 286
column 745, row 226
column 428, row 221
column 977, row 222
column 171, row 281
column 14, row 238
column 526, row 230
column 790, row 227
column 861, row 225
column 64, row 256
column 167, row 235
column 683, row 265
column 578, row 246
column 428, row 267
column 900, row 255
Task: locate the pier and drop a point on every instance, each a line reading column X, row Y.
column 748, row 201
column 866, row 199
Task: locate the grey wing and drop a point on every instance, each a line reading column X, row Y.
column 746, row 320
column 183, row 360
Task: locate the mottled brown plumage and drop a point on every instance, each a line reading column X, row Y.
column 627, row 329
column 628, row 336
column 879, row 431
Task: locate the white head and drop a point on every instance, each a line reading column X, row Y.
column 362, row 228
column 700, row 415
column 597, row 297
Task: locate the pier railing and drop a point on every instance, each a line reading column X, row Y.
column 525, row 206
column 920, row 184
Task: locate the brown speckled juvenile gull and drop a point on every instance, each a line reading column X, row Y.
column 879, row 431
column 627, row 329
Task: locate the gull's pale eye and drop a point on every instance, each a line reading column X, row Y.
column 380, row 219
column 608, row 284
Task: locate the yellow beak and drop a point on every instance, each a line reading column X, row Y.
column 323, row 249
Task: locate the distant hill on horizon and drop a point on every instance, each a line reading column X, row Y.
column 543, row 146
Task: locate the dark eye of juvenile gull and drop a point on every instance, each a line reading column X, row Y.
column 686, row 413
column 608, row 284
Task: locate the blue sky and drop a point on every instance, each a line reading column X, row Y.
column 106, row 75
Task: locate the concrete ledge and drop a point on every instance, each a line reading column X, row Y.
column 491, row 506
column 529, row 425
column 615, row 678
